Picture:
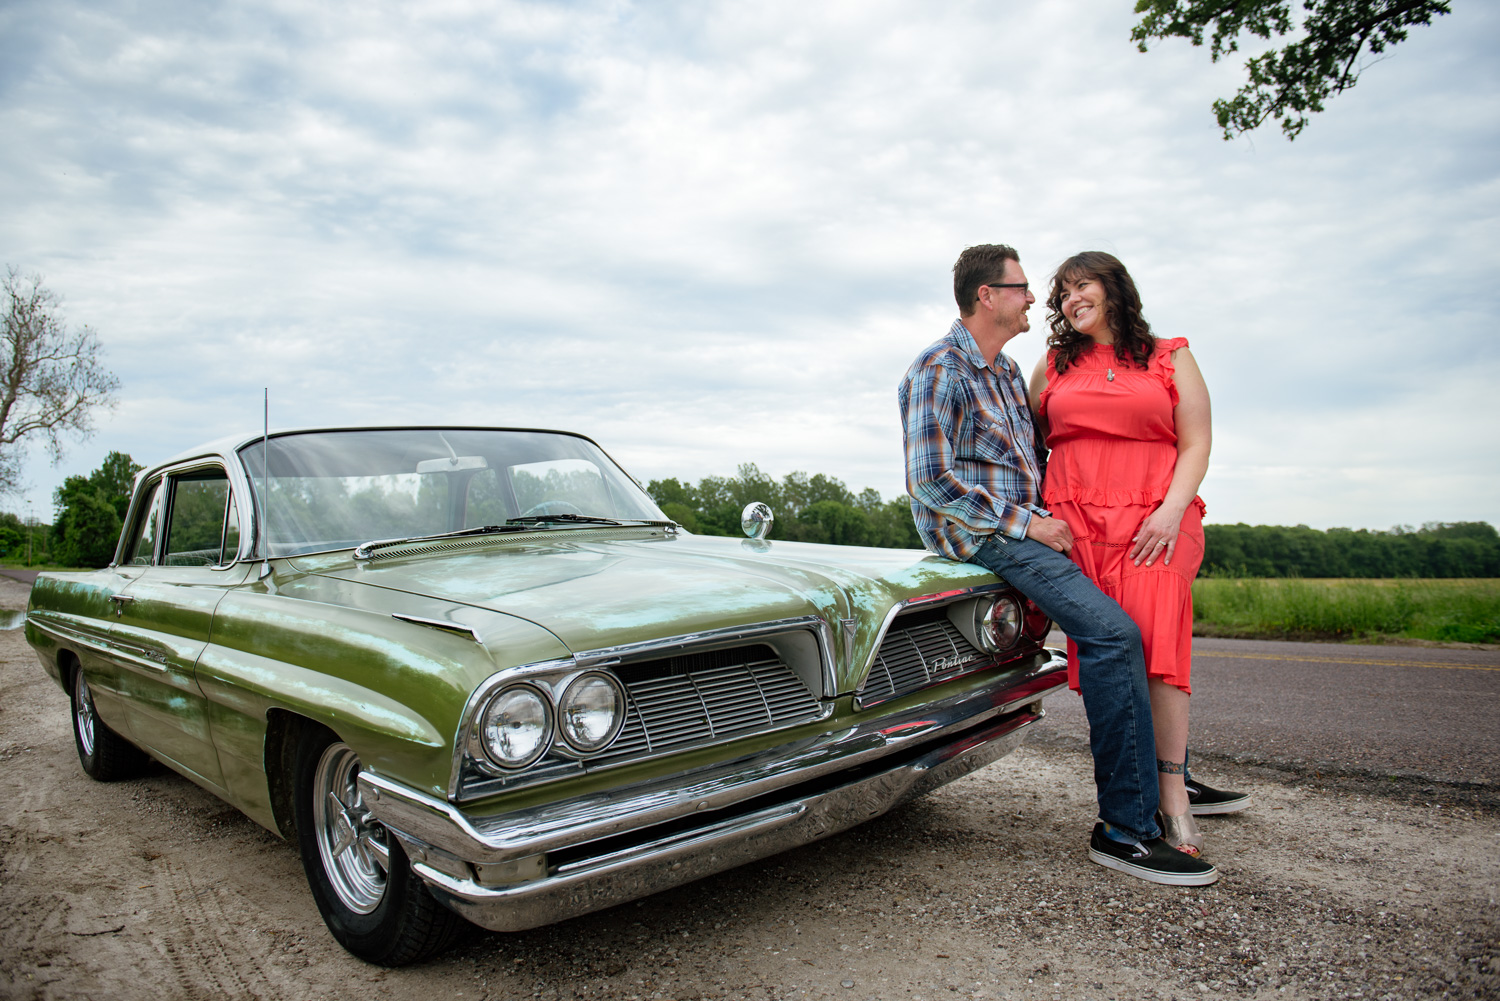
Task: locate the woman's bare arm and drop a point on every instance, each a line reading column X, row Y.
column 1194, row 440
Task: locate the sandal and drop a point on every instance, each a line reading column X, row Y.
column 1181, row 832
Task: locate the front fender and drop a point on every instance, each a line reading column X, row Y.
column 392, row 689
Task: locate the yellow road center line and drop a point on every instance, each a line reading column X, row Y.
column 1340, row 660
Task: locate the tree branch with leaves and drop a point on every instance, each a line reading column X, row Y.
column 1293, row 81
column 52, row 379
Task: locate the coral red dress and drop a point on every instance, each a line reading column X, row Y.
column 1113, row 437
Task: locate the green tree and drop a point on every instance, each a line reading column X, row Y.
column 116, row 477
column 87, row 525
column 816, row 508
column 1290, row 82
column 90, row 511
column 832, row 522
column 12, row 535
column 892, row 527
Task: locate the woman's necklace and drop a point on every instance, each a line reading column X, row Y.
column 1109, row 373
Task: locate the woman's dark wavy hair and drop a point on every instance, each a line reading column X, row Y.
column 1134, row 341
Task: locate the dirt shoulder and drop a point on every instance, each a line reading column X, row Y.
column 153, row 889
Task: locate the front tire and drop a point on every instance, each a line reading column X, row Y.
column 361, row 880
column 104, row 754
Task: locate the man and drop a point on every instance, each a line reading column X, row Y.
column 975, row 481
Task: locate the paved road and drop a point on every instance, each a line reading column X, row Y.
column 24, row 576
column 1375, row 710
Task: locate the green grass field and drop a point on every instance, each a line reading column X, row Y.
column 1466, row 611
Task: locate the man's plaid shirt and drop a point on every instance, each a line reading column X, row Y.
column 971, row 446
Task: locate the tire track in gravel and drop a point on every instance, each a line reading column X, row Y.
column 205, row 942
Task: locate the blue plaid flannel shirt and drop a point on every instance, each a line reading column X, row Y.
column 971, row 446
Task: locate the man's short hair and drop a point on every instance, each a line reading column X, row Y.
column 978, row 266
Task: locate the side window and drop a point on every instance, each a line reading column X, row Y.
column 195, row 521
column 142, row 549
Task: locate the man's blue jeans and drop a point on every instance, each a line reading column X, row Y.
column 1111, row 675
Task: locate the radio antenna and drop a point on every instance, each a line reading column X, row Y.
column 265, row 488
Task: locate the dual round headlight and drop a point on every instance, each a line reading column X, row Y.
column 516, row 726
column 520, row 722
column 998, row 624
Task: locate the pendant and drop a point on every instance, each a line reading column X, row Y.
column 1110, row 376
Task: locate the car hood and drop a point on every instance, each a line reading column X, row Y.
column 604, row 591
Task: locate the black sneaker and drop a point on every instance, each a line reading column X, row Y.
column 1154, row 860
column 1205, row 800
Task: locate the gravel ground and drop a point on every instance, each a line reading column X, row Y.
column 153, row 889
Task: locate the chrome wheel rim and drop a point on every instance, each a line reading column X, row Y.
column 83, row 714
column 354, row 847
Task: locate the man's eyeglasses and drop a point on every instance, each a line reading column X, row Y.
column 1024, row 286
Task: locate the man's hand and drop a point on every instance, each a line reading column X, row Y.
column 1050, row 532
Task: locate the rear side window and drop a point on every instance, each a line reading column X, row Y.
column 198, row 518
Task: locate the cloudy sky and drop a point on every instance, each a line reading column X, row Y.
column 710, row 233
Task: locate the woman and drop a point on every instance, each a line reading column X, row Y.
column 1127, row 418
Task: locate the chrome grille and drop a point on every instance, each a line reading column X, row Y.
column 920, row 649
column 700, row 698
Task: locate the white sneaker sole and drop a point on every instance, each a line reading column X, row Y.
column 1233, row 806
column 1154, row 875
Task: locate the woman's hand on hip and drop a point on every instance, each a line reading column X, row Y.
column 1156, row 538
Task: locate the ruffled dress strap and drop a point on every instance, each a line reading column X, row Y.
column 1161, row 363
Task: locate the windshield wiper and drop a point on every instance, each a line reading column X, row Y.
column 584, row 519
column 364, row 551
column 511, row 525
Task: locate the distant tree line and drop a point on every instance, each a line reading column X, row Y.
column 818, row 508
column 1459, row 549
column 815, row 508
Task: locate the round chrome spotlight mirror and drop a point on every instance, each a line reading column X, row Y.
column 757, row 520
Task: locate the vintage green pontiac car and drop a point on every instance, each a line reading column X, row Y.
column 476, row 673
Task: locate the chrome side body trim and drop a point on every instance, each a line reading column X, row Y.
column 140, row 656
column 614, row 877
column 927, row 746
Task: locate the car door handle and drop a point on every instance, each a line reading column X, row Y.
column 121, row 600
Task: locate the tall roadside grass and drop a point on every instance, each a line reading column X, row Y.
column 1465, row 611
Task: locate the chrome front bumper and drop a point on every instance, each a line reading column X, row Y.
column 537, row 866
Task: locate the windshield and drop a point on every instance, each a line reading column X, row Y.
column 338, row 489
